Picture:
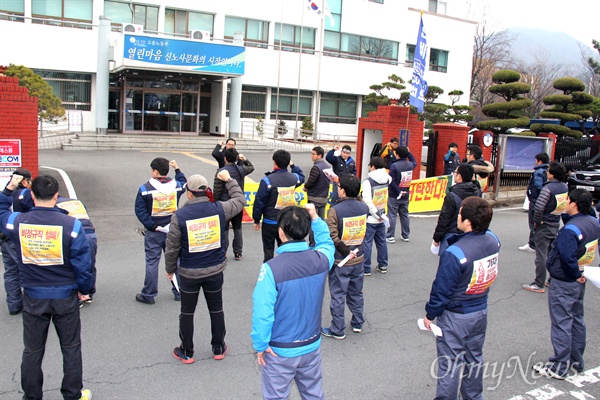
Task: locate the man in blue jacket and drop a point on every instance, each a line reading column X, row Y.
column 275, row 192
column 537, row 180
column 573, row 249
column 458, row 300
column 54, row 262
column 155, row 203
column 399, row 193
column 342, row 163
column 288, row 298
column 195, row 248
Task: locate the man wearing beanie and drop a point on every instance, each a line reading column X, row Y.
column 195, row 240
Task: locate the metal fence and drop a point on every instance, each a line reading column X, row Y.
column 573, row 153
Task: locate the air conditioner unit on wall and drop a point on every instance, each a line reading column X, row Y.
column 133, row 28
column 203, row 36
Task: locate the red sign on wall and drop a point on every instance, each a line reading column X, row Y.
column 10, row 153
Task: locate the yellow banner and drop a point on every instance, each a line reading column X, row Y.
column 354, row 230
column 425, row 194
column 204, row 234
column 41, row 244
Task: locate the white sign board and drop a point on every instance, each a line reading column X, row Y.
column 75, row 118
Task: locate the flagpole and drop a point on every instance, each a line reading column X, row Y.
column 299, row 68
column 278, row 69
column 321, row 47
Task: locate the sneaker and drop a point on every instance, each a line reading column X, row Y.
column 532, row 287
column 143, row 299
column 86, row 394
column 405, row 239
column 221, row 355
column 89, row 301
column 357, row 328
column 81, row 303
column 527, row 249
column 547, row 283
column 546, row 371
column 15, row 312
column 381, row 268
column 178, row 354
column 177, row 296
column 368, row 273
column 327, row 333
column 238, row 256
column 390, row 240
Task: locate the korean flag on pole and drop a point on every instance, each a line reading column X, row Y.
column 419, row 85
column 314, row 8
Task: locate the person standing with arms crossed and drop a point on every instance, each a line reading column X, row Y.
column 54, row 262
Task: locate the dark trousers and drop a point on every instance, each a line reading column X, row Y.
column 270, row 235
column 345, row 287
column 321, row 213
column 375, row 232
column 567, row 332
column 531, row 240
column 238, row 240
column 12, row 280
column 398, row 208
column 461, row 346
column 544, row 236
column 213, row 294
column 93, row 242
column 64, row 314
column 154, row 245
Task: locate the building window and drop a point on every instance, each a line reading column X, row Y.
column 338, row 108
column 288, row 98
column 363, row 48
column 256, row 33
column 438, row 7
column 253, row 101
column 180, row 22
column 410, row 54
column 438, row 60
column 14, row 8
column 52, row 12
column 73, row 89
column 291, row 35
column 127, row 13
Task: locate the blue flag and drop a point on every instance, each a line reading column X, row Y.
column 419, row 85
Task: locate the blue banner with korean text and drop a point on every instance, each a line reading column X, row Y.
column 188, row 55
column 419, row 85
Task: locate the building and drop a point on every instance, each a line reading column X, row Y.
column 363, row 41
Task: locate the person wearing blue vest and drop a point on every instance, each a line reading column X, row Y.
column 287, row 303
column 347, row 221
column 275, row 192
column 399, row 194
column 451, row 159
column 341, row 163
column 458, row 300
column 375, row 195
column 317, row 184
column 537, row 180
column 76, row 209
column 573, row 249
column 54, row 262
column 155, row 203
column 12, row 280
column 238, row 172
column 463, row 187
column 195, row 249
column 550, row 204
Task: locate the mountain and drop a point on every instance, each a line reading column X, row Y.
column 561, row 48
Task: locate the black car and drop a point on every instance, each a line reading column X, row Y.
column 587, row 178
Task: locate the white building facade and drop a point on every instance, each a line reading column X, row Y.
column 297, row 62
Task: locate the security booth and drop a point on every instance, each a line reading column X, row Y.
column 375, row 130
column 516, row 161
column 170, row 85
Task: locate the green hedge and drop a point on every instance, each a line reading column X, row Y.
column 569, row 84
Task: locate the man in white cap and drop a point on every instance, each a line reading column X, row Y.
column 195, row 240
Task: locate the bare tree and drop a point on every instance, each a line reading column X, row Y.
column 540, row 74
column 491, row 51
column 589, row 71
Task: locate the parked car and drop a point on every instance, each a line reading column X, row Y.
column 587, row 178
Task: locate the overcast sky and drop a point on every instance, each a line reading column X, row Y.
column 578, row 18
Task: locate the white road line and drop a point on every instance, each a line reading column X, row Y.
column 65, row 178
